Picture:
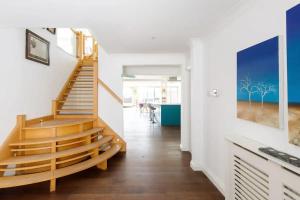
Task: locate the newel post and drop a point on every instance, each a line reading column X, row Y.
column 54, row 107
column 21, row 122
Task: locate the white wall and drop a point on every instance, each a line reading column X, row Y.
column 108, row 108
column 185, row 138
column 155, row 70
column 260, row 21
column 197, row 103
column 28, row 87
column 110, row 71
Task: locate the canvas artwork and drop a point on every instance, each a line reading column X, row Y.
column 37, row 48
column 258, row 83
column 293, row 68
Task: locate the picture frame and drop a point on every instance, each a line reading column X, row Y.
column 37, row 48
column 52, row 30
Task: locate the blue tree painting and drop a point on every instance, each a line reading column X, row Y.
column 293, row 61
column 258, row 83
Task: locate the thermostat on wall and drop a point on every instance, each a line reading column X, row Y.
column 213, row 93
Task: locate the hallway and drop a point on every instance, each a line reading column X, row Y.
column 153, row 168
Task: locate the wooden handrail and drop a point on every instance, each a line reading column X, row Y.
column 112, row 93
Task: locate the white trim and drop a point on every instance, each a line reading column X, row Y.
column 183, row 148
column 215, row 180
column 196, row 166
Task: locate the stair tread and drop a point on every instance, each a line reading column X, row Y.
column 88, row 107
column 87, row 70
column 83, row 106
column 58, row 123
column 83, row 84
column 72, row 101
column 73, row 90
column 83, row 79
column 77, row 114
column 86, row 80
column 75, row 85
column 57, row 139
column 31, row 149
column 78, row 109
column 115, row 148
column 79, row 87
column 72, row 98
column 45, row 157
column 79, row 93
column 12, row 181
column 85, row 74
column 91, row 85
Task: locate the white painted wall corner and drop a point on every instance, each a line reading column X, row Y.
column 195, row 165
column 184, row 148
column 215, row 180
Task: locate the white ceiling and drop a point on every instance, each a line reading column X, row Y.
column 124, row 26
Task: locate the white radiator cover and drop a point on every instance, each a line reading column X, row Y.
column 255, row 176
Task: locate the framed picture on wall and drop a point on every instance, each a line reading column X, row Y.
column 52, row 30
column 37, row 48
column 258, row 86
column 293, row 69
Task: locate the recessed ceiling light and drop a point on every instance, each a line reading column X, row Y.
column 153, row 38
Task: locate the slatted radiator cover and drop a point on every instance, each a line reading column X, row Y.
column 254, row 177
column 249, row 181
column 290, row 194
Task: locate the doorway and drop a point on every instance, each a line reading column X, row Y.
column 151, row 104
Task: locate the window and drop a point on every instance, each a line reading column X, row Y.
column 174, row 92
column 154, row 92
column 88, row 46
column 66, row 40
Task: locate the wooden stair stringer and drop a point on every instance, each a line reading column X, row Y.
column 67, row 83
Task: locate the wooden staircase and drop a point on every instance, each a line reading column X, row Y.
column 79, row 95
column 70, row 140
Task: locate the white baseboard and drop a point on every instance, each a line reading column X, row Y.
column 196, row 166
column 182, row 148
column 215, row 180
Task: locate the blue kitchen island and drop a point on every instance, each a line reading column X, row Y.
column 170, row 114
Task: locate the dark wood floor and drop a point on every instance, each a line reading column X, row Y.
column 152, row 169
